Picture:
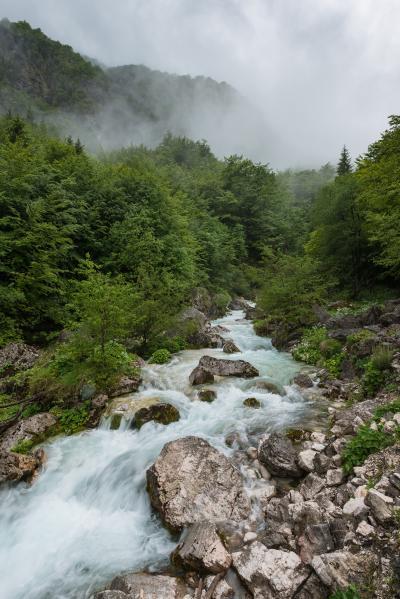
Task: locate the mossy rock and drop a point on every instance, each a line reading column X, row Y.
column 207, row 395
column 252, row 402
column 163, row 413
column 267, row 386
column 115, row 421
column 296, row 435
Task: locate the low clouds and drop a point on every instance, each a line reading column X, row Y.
column 322, row 72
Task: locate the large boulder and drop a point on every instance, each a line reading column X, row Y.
column 163, row 413
column 202, row 550
column 193, row 482
column 15, row 467
column 126, row 386
column 270, row 573
column 145, row 586
column 279, row 456
column 340, row 569
column 35, row 428
column 200, row 376
column 221, row 367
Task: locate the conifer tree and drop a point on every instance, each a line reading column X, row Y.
column 344, row 166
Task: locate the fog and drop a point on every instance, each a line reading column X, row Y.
column 317, row 74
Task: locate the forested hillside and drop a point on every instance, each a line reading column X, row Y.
column 108, row 108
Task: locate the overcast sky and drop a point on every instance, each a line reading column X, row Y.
column 324, row 72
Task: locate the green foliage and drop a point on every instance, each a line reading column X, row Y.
column 344, row 166
column 391, row 407
column 349, row 593
column 72, row 420
column 373, row 379
column 382, row 357
column 23, row 446
column 308, row 349
column 359, row 336
column 288, row 277
column 160, row 356
column 364, row 443
column 334, row 365
column 330, row 348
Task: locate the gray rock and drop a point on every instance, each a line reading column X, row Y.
column 15, row 467
column 200, row 376
column 334, row 477
column 313, row 589
column 221, row 367
column 110, row 595
column 342, row 568
column 311, row 486
column 266, row 386
column 316, row 539
column 229, row 347
column 193, row 482
column 303, row 380
column 202, row 550
column 34, row 428
column 381, row 506
column 306, row 460
column 15, row 357
column 269, row 573
column 355, row 508
column 279, row 456
column 126, row 385
column 147, row 586
column 222, row 591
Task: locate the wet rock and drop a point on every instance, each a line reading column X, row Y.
column 239, row 303
column 126, row 385
column 303, row 380
column 200, row 376
column 193, row 482
column 202, row 550
column 381, row 506
column 34, row 428
column 221, row 367
column 279, row 456
column 163, row 413
column 340, row 569
column 306, row 460
column 266, row 386
column 110, row 595
column 15, row 357
column 206, row 395
column 140, row 585
column 15, row 467
column 229, row 347
column 252, row 402
column 270, row 572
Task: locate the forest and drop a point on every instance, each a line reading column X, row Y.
column 109, row 249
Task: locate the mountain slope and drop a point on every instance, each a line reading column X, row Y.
column 110, row 107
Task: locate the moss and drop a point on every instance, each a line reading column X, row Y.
column 161, row 413
column 23, row 446
column 207, row 395
column 295, row 434
column 252, row 402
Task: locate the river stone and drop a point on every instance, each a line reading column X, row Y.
column 266, row 386
column 126, row 385
column 193, row 482
column 110, row 595
column 202, row 550
column 146, row 586
column 229, row 347
column 306, row 460
column 279, row 456
column 303, row 380
column 33, row 428
column 252, row 402
column 200, row 376
column 207, row 395
column 15, row 466
column 340, row 569
column 221, row 367
column 269, row 573
column 163, row 413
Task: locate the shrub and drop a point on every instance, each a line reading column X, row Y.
column 359, row 336
column 382, row 358
column 364, row 443
column 373, row 379
column 330, row 347
column 334, row 364
column 393, row 406
column 308, row 350
column 220, row 302
column 72, row 420
column 160, row 356
column 23, row 446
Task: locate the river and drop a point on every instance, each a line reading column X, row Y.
column 87, row 517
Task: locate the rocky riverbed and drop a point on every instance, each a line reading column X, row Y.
column 225, row 499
